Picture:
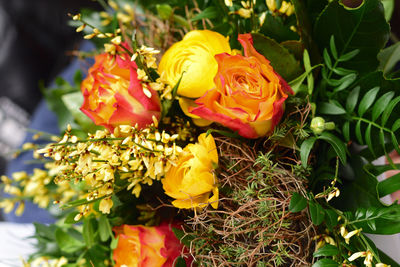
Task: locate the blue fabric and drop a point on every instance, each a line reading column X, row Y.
column 46, row 121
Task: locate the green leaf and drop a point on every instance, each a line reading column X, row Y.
column 327, row 59
column 185, row 239
column 180, row 262
column 88, row 231
column 55, row 104
column 368, row 140
column 66, row 242
column 73, row 102
column 342, row 71
column 297, row 83
column 389, row 57
column 305, row 150
column 362, row 182
column 327, row 250
column 352, row 99
column 114, row 243
column 331, row 218
column 332, row 46
column 330, row 108
column 389, row 185
column 359, row 137
column 164, row 11
column 381, row 105
column 275, row 28
column 388, row 110
column 281, row 59
column 364, row 28
column 297, row 203
column 210, row 12
column 104, row 228
column 336, row 143
column 317, row 212
column 395, row 142
column 70, row 219
column 346, row 82
column 367, row 100
column 349, row 55
column 396, row 125
column 346, row 131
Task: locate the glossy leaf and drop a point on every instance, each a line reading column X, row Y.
column 327, row 250
column 367, row 100
column 331, row 109
column 346, row 82
column 337, row 145
column 389, row 185
column 88, row 231
column 352, row 99
column 332, row 46
column 389, row 109
column 359, row 137
column 396, row 125
column 364, row 28
column 104, row 228
column 325, row 263
column 389, row 57
column 281, row 59
column 346, row 131
column 210, row 12
column 66, row 242
column 317, row 212
column 305, row 150
column 275, row 28
column 381, row 104
column 368, row 140
column 297, row 203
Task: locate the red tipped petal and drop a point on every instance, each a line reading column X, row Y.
column 235, row 124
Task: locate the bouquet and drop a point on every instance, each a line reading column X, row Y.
column 221, row 133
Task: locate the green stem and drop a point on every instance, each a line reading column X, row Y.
column 372, row 123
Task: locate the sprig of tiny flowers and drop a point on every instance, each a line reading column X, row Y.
column 135, row 156
column 35, row 187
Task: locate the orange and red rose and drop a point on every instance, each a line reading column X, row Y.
column 113, row 94
column 248, row 96
column 142, row 246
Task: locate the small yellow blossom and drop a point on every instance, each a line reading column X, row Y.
column 228, row 2
column 244, row 13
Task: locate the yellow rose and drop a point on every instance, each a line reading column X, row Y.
column 194, row 58
column 192, row 180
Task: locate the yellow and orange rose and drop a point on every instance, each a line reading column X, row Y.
column 248, row 96
column 113, row 94
column 192, row 181
column 193, row 57
column 142, row 246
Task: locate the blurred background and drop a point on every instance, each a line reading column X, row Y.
column 35, row 46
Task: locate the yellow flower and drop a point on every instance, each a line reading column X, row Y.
column 192, row 180
column 194, row 58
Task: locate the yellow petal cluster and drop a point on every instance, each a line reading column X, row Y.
column 192, row 181
column 193, row 57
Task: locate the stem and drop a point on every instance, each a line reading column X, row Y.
column 362, row 237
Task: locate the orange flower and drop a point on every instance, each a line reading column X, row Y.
column 249, row 95
column 113, row 94
column 142, row 246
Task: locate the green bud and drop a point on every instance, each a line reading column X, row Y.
column 317, row 125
